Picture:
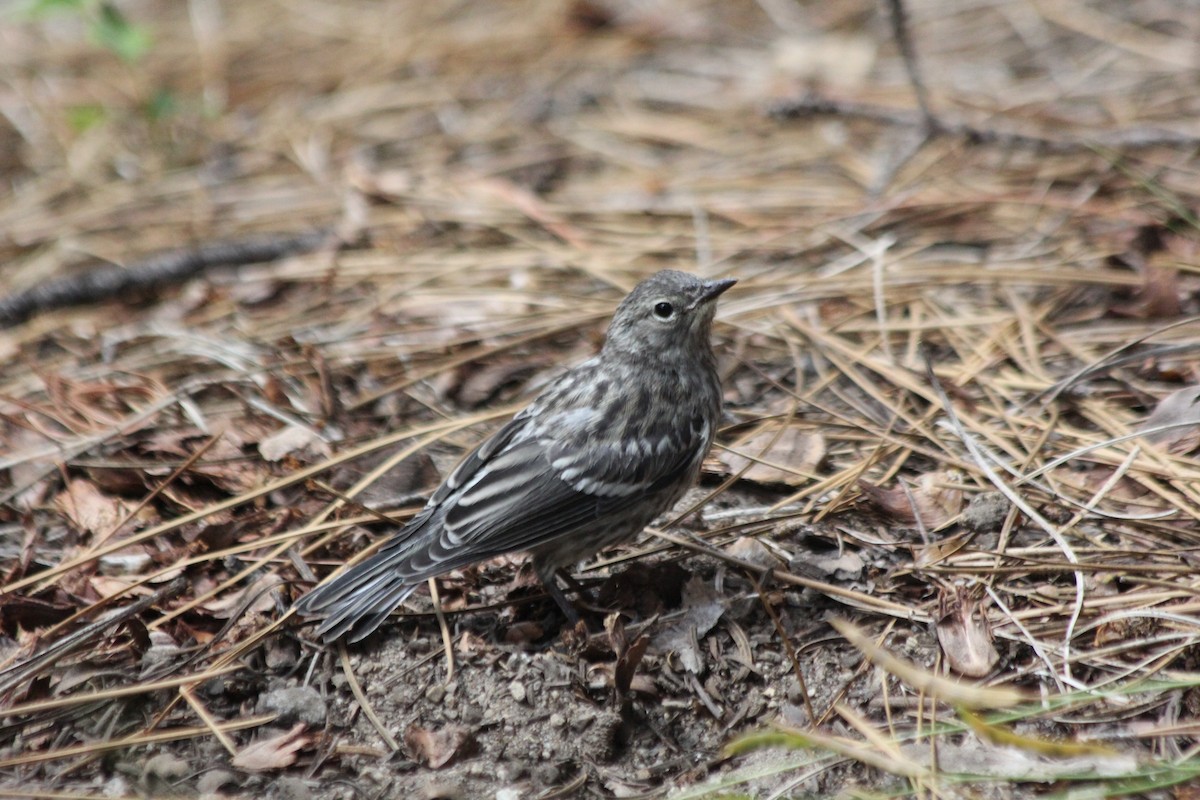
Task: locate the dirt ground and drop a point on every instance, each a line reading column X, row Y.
column 270, row 268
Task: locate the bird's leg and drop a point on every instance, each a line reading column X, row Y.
column 583, row 597
column 551, row 587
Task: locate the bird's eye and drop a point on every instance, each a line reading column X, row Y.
column 663, row 310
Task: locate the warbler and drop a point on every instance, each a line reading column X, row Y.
column 603, row 450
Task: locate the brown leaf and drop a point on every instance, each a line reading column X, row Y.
column 1156, row 253
column 524, row 632
column 1124, row 630
column 259, row 594
column 965, row 637
column 772, row 456
column 1187, row 792
column 751, row 550
column 705, row 606
column 171, row 441
column 629, row 654
column 936, row 552
column 1180, row 409
column 1160, row 293
column 106, row 587
column 475, row 385
column 89, row 509
column 933, row 498
column 1125, row 494
column 842, row 565
column 436, row 748
column 290, row 439
column 126, row 561
column 276, row 752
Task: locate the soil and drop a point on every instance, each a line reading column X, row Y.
column 942, row 349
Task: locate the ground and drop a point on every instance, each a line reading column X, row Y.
column 271, row 269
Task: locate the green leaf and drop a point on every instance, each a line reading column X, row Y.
column 162, row 105
column 85, row 117
column 756, row 741
column 44, row 8
column 113, row 31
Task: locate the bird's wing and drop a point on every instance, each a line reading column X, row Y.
column 535, row 490
column 469, row 467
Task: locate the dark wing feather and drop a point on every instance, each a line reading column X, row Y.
column 360, row 598
column 537, row 491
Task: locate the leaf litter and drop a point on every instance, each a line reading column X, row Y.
column 179, row 462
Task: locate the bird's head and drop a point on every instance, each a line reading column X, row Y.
column 668, row 311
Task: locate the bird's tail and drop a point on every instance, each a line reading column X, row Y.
column 356, row 602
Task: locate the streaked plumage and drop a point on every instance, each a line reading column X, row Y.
column 589, row 463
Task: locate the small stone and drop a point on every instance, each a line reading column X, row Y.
column 442, row 790
column 509, row 772
column 162, row 771
column 214, row 780
column 600, row 742
column 295, row 704
column 517, row 690
column 117, row 786
column 546, row 775
column 508, row 794
column 557, row 720
column 986, row 512
column 287, row 787
column 435, row 693
column 282, row 654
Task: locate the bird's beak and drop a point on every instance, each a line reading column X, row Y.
column 712, row 290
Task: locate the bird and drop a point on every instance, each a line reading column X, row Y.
column 602, row 450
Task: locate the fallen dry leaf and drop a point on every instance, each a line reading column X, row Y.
column 1181, row 411
column 1124, row 629
column 773, row 456
column 842, row 60
column 1124, row 494
column 276, row 752
column 179, row 442
column 128, row 561
column 106, row 587
column 290, row 439
column 437, row 748
column 1158, row 297
column 933, row 499
column 258, row 593
column 91, row 510
column 629, row 654
column 965, row 637
column 752, row 551
column 704, row 608
column 474, row 385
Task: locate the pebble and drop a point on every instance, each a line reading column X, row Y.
column 167, row 766
column 295, row 704
column 214, row 780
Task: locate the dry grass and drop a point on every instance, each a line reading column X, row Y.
column 940, row 319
